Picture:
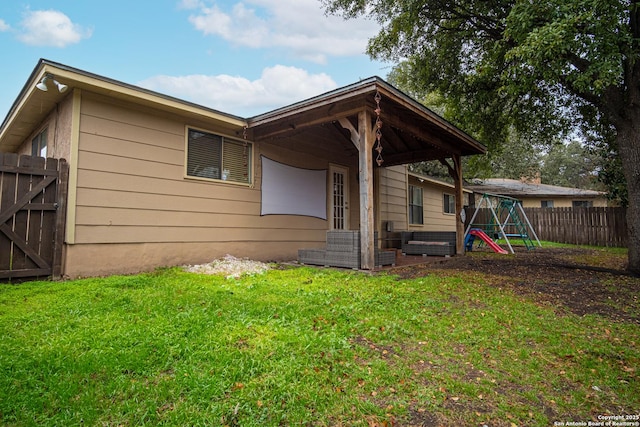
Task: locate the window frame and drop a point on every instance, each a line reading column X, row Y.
column 446, row 205
column 547, row 204
column 37, row 146
column 412, row 205
column 582, row 203
column 229, row 140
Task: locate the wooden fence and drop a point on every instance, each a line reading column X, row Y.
column 578, row 226
column 33, row 193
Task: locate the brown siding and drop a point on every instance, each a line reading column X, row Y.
column 393, row 196
column 58, row 125
column 135, row 209
column 434, row 217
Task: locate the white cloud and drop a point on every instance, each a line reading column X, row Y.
column 4, row 26
column 298, row 25
column 277, row 87
column 50, row 28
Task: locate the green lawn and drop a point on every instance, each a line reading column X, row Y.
column 304, row 346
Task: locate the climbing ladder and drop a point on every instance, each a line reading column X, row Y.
column 508, row 220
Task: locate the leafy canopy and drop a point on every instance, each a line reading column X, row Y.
column 544, row 68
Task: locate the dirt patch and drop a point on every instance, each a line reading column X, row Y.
column 583, row 281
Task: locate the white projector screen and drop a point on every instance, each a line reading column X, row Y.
column 287, row 190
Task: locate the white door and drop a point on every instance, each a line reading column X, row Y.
column 339, row 197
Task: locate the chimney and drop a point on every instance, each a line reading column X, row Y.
column 536, row 180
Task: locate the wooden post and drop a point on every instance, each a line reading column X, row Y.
column 455, row 172
column 457, row 167
column 61, row 220
column 367, row 225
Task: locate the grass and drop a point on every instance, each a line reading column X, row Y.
column 304, row 346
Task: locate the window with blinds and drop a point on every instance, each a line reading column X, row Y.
column 216, row 157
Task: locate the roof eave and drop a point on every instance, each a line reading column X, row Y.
column 364, row 87
column 80, row 79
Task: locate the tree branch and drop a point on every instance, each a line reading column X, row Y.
column 478, row 21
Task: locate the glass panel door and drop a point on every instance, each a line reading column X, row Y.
column 339, row 197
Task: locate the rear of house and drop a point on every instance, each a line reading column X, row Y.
column 156, row 181
column 137, row 200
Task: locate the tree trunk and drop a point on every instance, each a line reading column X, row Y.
column 628, row 139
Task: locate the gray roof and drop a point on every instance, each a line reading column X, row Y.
column 519, row 189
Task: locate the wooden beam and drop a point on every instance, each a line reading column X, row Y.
column 355, row 137
column 450, row 169
column 395, row 140
column 404, row 105
column 367, row 225
column 412, row 157
column 323, row 114
column 421, row 130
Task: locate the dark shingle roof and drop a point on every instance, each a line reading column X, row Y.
column 518, row 189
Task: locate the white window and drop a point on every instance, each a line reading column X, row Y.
column 546, row 203
column 449, row 203
column 39, row 145
column 415, row 205
column 217, row 157
column 582, row 204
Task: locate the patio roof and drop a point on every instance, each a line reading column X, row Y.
column 411, row 132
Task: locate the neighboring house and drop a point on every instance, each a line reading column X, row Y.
column 157, row 181
column 537, row 195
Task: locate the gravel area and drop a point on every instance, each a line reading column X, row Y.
column 230, row 266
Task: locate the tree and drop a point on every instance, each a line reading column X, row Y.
column 570, row 165
column 516, row 158
column 544, row 68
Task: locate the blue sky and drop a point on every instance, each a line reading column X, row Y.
column 240, row 57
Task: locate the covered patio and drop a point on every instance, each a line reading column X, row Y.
column 376, row 126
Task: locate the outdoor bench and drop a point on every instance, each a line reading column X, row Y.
column 435, row 243
column 343, row 250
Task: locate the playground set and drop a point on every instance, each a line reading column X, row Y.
column 507, row 220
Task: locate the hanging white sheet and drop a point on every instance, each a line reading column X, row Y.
column 287, row 190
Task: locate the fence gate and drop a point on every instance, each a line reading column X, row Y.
column 33, row 193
